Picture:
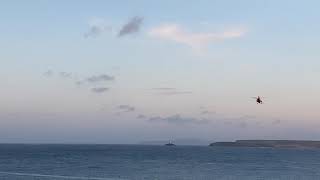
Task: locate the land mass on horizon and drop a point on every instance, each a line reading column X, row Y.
column 269, row 143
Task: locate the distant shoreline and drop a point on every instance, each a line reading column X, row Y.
column 237, row 143
column 269, row 143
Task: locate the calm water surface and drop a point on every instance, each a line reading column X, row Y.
column 106, row 162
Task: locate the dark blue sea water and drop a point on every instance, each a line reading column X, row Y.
column 105, row 162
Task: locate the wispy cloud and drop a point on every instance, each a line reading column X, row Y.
column 204, row 112
column 241, row 121
column 243, row 124
column 244, row 121
column 238, row 121
column 48, row 73
column 164, row 88
column 96, row 79
column 65, row 74
column 99, row 89
column 126, row 108
column 276, row 121
column 132, row 26
column 141, row 116
column 175, row 93
column 170, row 91
column 99, row 78
column 62, row 74
column 178, row 119
column 92, row 81
column 96, row 27
column 197, row 40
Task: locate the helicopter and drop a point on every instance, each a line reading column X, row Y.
column 258, row 100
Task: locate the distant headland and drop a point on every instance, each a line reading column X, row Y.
column 269, row 143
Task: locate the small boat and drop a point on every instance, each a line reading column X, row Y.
column 170, row 144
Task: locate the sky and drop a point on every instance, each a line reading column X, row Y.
column 132, row 71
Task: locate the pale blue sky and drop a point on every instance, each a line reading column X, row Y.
column 188, row 68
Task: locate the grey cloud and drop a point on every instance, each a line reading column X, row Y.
column 178, row 119
column 126, row 108
column 96, row 79
column 132, row 26
column 99, row 78
column 96, row 29
column 99, row 89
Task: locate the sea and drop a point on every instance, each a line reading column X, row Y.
column 151, row 162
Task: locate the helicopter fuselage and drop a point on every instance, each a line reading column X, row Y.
column 259, row 101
